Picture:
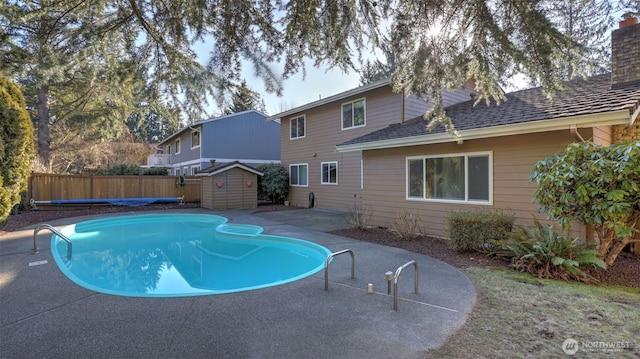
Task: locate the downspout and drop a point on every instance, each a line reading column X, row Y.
column 574, row 131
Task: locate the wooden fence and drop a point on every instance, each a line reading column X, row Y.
column 47, row 187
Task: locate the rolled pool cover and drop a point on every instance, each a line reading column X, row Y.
column 127, row 202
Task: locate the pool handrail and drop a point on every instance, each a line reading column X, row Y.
column 56, row 232
column 326, row 266
column 395, row 281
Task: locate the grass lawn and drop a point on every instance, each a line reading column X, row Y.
column 521, row 316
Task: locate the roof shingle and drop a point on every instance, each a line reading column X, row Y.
column 581, row 97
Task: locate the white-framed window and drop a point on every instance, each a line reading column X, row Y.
column 195, row 170
column 176, row 171
column 460, row 177
column 354, row 114
column 299, row 175
column 329, row 171
column 195, row 139
column 297, row 127
column 177, row 144
column 185, row 171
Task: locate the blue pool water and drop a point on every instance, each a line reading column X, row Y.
column 172, row 255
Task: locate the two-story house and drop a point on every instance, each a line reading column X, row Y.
column 309, row 134
column 370, row 147
column 245, row 136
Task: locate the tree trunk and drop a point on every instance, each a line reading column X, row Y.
column 615, row 250
column 44, row 140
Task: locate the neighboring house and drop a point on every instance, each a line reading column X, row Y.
column 310, row 132
column 245, row 136
column 406, row 167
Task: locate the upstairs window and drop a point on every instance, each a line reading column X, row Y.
column 168, row 150
column 297, row 125
column 195, row 139
column 450, row 178
column 353, row 114
column 177, row 146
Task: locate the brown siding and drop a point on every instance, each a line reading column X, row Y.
column 323, row 133
column 602, row 135
column 513, row 160
column 232, row 189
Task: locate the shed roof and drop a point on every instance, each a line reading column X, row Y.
column 584, row 103
column 215, row 169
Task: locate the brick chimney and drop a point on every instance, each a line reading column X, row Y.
column 625, row 53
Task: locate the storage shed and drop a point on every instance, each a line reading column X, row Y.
column 232, row 185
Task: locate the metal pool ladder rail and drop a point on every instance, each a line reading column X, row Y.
column 395, row 282
column 56, row 232
column 326, row 266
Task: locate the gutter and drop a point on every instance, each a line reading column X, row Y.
column 620, row 117
column 337, row 97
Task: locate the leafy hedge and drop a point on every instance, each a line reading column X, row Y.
column 133, row 170
column 16, row 147
column 477, row 230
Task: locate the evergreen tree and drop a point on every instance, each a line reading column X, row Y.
column 16, row 147
column 438, row 44
column 243, row 99
column 589, row 22
column 377, row 70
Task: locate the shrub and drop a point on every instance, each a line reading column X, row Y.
column 477, row 230
column 274, row 184
column 360, row 216
column 543, row 251
column 598, row 186
column 16, row 147
column 408, row 225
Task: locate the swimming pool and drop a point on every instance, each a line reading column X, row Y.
column 174, row 255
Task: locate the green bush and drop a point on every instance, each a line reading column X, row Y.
column 274, row 184
column 16, row 147
column 547, row 253
column 477, row 230
column 133, row 170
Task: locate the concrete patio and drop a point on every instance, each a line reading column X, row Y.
column 43, row 314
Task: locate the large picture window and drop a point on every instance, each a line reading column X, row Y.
column 329, row 173
column 353, row 114
column 298, row 175
column 457, row 177
column 297, row 127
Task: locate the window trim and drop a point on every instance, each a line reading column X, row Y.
column 466, row 156
column 297, row 118
column 199, row 139
column 178, row 145
column 195, row 170
column 364, row 101
column 298, row 165
column 322, row 173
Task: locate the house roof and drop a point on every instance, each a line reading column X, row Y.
column 192, row 126
column 343, row 95
column 213, row 170
column 585, row 103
